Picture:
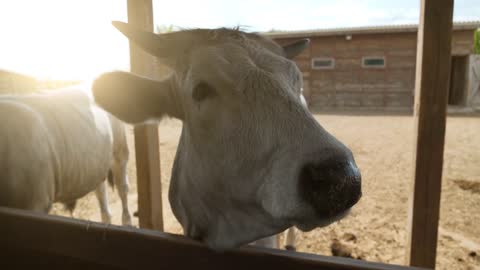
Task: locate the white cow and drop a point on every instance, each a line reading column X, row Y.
column 251, row 161
column 57, row 147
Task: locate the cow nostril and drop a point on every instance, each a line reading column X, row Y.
column 330, row 187
column 315, row 186
column 316, row 176
column 352, row 172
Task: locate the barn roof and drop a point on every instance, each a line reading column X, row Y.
column 403, row 28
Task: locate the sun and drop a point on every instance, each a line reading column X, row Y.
column 60, row 39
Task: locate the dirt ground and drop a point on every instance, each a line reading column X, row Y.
column 376, row 229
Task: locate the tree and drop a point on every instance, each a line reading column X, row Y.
column 164, row 29
column 477, row 41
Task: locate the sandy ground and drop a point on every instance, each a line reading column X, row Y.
column 376, row 229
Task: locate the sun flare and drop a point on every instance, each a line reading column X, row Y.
column 58, row 39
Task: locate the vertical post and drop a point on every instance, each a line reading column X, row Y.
column 431, row 88
column 147, row 152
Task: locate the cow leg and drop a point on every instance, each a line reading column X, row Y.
column 102, row 197
column 40, row 206
column 290, row 239
column 121, row 181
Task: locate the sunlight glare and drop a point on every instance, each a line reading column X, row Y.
column 59, row 39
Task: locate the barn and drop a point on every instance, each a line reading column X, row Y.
column 373, row 68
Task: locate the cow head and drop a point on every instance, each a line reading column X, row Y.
column 251, row 161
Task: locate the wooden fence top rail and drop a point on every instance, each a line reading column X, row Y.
column 113, row 247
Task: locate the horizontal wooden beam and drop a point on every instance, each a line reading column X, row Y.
column 69, row 242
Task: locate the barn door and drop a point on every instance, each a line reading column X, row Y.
column 474, row 81
column 458, row 80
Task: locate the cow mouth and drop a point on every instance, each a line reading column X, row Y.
column 306, row 226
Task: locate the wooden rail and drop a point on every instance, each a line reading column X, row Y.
column 32, row 239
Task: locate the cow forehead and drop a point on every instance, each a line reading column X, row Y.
column 231, row 63
column 247, row 40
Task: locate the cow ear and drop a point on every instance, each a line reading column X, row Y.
column 136, row 99
column 295, row 48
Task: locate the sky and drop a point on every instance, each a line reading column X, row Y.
column 74, row 39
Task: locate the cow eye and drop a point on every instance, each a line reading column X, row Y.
column 202, row 91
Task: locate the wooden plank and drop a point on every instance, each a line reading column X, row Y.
column 147, row 151
column 149, row 184
column 431, row 88
column 22, row 258
column 58, row 241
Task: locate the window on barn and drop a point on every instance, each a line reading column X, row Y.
column 373, row 62
column 323, row 63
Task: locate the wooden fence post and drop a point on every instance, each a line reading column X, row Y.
column 147, row 152
column 431, row 88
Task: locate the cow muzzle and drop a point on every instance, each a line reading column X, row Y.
column 331, row 187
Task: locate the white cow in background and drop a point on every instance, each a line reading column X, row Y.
column 302, row 98
column 57, row 147
column 290, row 234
